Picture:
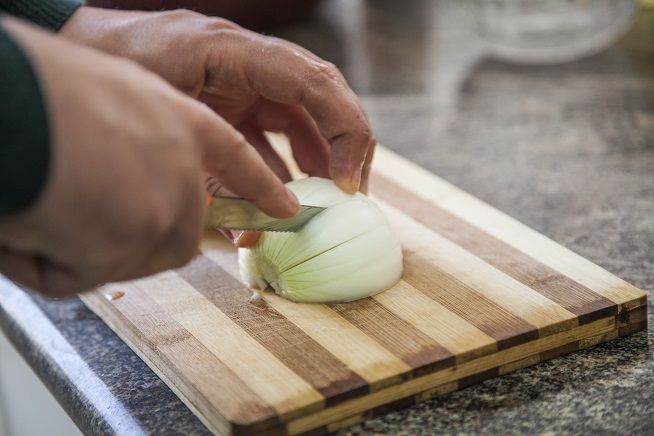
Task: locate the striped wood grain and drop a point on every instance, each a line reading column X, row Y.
column 469, row 210
column 482, row 295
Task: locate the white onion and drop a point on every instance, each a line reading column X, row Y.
column 348, row 251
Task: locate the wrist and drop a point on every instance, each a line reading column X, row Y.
column 102, row 29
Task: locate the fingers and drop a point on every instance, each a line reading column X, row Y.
column 19, row 268
column 172, row 249
column 367, row 166
column 214, row 188
column 258, row 140
column 237, row 166
column 40, row 274
column 312, row 83
column 241, row 239
column 247, row 238
column 310, row 149
column 181, row 243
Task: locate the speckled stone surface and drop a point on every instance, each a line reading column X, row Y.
column 566, row 149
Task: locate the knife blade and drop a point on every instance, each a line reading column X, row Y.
column 231, row 213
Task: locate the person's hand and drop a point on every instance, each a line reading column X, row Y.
column 256, row 83
column 125, row 195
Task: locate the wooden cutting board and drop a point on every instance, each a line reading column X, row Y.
column 482, row 295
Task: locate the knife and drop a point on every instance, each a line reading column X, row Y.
column 231, row 213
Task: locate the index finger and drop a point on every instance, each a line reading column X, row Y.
column 237, row 166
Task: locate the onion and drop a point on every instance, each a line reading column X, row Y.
column 348, row 251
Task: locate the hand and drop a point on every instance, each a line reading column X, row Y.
column 256, row 83
column 125, row 195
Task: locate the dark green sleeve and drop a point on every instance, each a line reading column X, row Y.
column 24, row 129
column 51, row 14
column 24, row 136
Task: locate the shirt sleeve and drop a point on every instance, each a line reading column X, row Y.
column 51, row 14
column 24, row 135
column 24, row 129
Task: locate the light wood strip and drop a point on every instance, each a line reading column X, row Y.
column 482, row 278
column 468, row 208
column 519, row 364
column 259, row 369
column 333, row 379
column 363, row 355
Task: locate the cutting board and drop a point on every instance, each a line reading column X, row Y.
column 482, row 295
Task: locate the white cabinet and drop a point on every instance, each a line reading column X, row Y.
column 26, row 406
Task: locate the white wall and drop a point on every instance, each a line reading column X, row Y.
column 26, row 406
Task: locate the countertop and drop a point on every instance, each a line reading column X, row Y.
column 567, row 149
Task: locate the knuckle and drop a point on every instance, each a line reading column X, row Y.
column 321, row 78
column 152, row 226
column 187, row 251
column 232, row 149
column 198, row 120
column 202, row 126
column 187, row 164
column 324, row 73
column 218, row 24
column 181, row 14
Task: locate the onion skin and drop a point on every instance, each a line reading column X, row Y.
column 347, row 252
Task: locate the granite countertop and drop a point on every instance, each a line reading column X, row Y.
column 567, row 149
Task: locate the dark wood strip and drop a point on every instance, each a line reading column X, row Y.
column 245, row 431
column 632, row 328
column 405, row 341
column 343, row 423
column 507, row 329
column 478, row 377
column 319, row 431
column 291, row 345
column 560, row 351
column 559, row 288
column 402, row 403
column 628, row 317
column 159, row 332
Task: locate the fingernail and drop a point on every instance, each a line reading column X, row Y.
column 247, row 238
column 363, row 187
column 356, row 178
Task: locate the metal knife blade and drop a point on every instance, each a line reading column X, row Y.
column 239, row 214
